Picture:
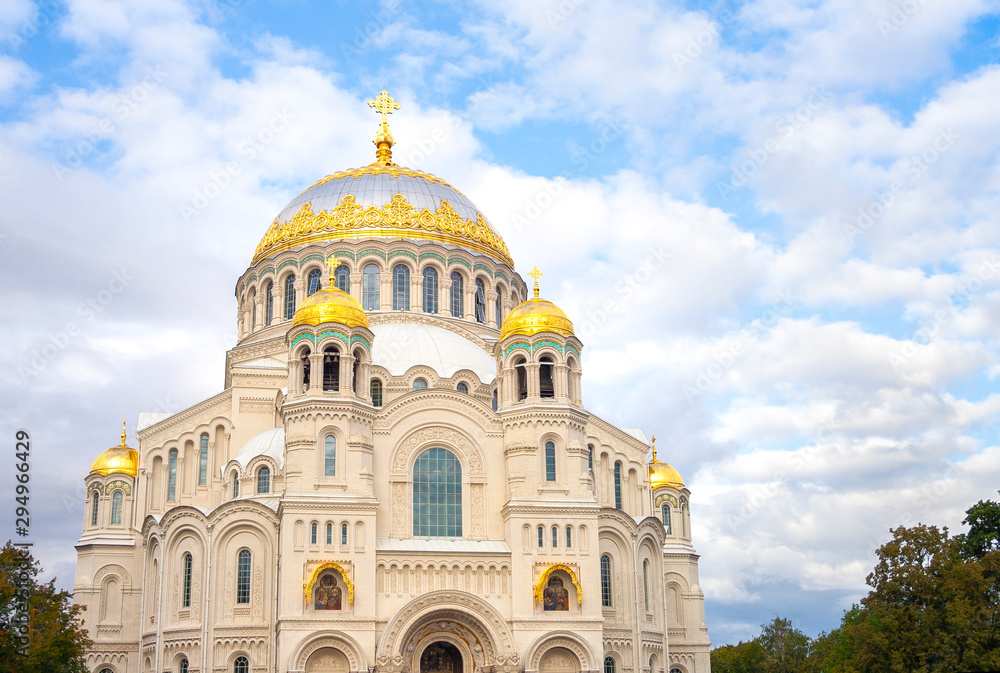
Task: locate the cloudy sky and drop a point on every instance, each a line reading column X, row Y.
column 774, row 223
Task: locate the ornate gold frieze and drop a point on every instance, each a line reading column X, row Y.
column 396, row 219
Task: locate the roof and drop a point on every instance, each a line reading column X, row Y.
column 399, row 346
column 148, row 418
column 270, row 444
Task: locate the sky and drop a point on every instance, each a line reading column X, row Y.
column 774, row 224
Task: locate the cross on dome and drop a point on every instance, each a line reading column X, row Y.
column 385, row 105
column 333, row 263
column 536, row 274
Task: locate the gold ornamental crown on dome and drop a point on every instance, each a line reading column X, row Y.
column 536, row 315
column 353, row 218
column 662, row 474
column 122, row 459
column 330, row 305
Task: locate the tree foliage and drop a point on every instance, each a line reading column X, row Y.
column 56, row 640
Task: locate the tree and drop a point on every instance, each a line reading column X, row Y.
column 56, row 639
column 983, row 520
column 786, row 647
column 746, row 657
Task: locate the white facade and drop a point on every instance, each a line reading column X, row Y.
column 243, row 540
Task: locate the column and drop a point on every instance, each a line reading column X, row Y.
column 346, row 375
column 491, row 308
column 416, row 292
column 560, row 380
column 534, row 394
column 444, row 303
column 315, row 372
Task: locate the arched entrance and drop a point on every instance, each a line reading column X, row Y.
column 327, row 660
column 441, row 657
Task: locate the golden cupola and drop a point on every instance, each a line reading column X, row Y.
column 123, row 459
column 662, row 474
column 330, row 305
column 536, row 315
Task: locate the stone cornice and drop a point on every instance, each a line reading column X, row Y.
column 222, row 400
column 432, row 398
column 560, row 507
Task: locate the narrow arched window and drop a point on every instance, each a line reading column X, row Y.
column 618, row 485
column 172, row 476
column 264, row 479
column 243, row 577
column 645, row 584
column 420, row 384
column 329, row 534
column 684, row 527
column 437, row 494
column 376, row 390
column 665, row 512
column 546, row 386
column 330, row 457
column 541, row 537
column 343, row 534
column 480, row 302
column 331, row 369
column 496, row 402
column 499, row 306
column 268, row 303
column 182, row 667
column 314, row 533
column 116, row 508
column 569, row 537
column 203, row 460
column 93, row 509
column 590, row 456
column 236, row 484
column 606, row 581
column 306, row 363
column 462, row 388
column 289, row 296
column 253, row 310
column 186, row 588
column 342, row 279
column 370, row 279
column 430, row 290
column 400, row 288
column 550, row 461
column 521, row 369
column 609, row 665
column 457, row 295
column 241, row 665
column 555, row 537
column 313, row 281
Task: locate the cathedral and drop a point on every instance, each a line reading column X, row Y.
column 399, row 475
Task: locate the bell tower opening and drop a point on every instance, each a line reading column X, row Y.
column 441, row 657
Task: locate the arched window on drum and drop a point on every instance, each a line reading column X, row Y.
column 313, row 282
column 437, row 494
column 400, row 288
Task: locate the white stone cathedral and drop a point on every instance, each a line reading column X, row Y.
column 398, row 476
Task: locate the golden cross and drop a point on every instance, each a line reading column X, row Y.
column 123, row 433
column 536, row 274
column 654, row 448
column 385, row 105
column 333, row 263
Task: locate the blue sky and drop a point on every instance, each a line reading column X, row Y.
column 821, row 178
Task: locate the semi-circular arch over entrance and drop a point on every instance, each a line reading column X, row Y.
column 453, row 618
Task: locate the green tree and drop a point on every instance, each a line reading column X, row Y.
column 983, row 537
column 56, row 639
column 785, row 646
column 745, row 657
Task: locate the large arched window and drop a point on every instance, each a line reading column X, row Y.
column 243, row 577
column 370, row 279
column 186, row 588
column 457, row 295
column 116, row 508
column 342, row 279
column 268, row 303
column 376, row 391
column 665, row 512
column 313, row 282
column 182, row 667
column 236, row 484
column 430, row 290
column 546, row 384
column 242, row 665
column 94, row 508
column 606, row 581
column 172, row 476
column 203, row 460
column 330, row 457
column 609, row 665
column 550, row 461
column 618, row 485
column 480, row 302
column 264, row 479
column 437, row 494
column 289, row 296
column 331, row 369
column 645, row 584
column 499, row 306
column 400, row 288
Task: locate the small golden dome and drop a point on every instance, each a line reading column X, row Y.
column 536, row 315
column 331, row 305
column 662, row 474
column 122, row 459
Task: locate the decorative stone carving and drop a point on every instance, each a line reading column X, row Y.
column 438, row 435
